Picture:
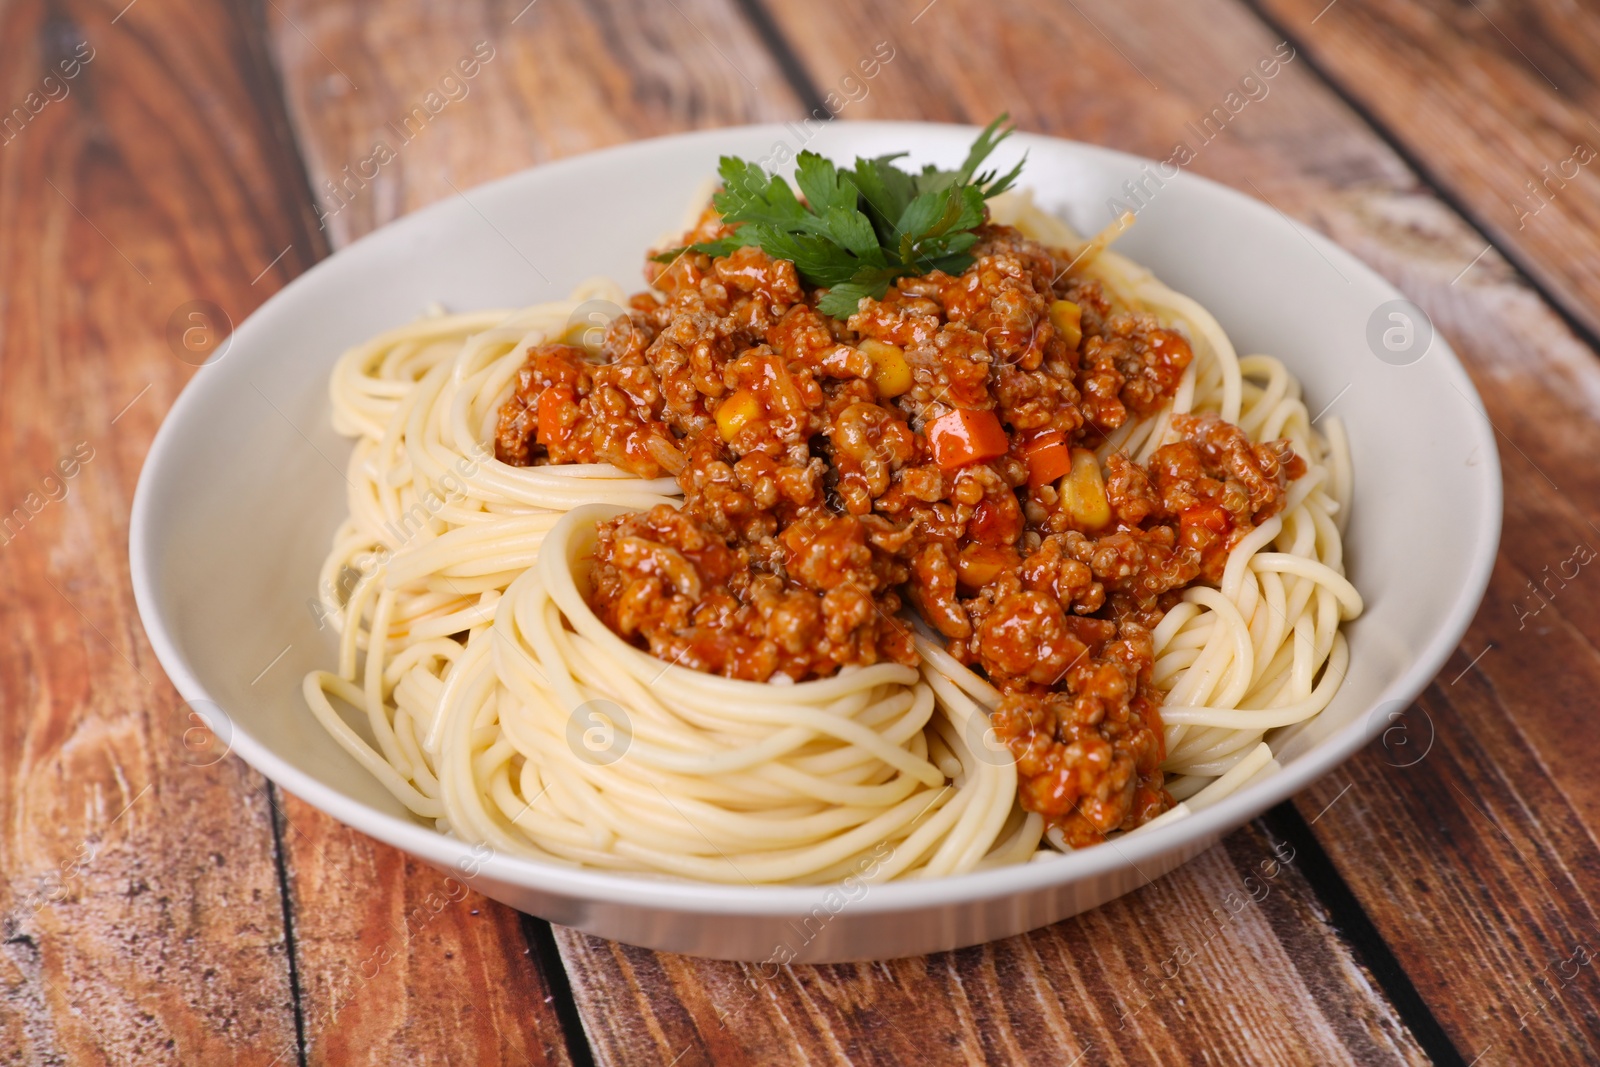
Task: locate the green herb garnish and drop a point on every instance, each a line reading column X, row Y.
column 859, row 229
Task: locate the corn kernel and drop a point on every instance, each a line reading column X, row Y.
column 737, row 412
column 1067, row 318
column 1083, row 491
column 979, row 564
column 891, row 374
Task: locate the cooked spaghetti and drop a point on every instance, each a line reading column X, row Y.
column 1005, row 562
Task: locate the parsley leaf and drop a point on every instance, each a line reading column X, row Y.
column 860, row 228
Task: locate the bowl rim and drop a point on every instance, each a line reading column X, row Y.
column 777, row 901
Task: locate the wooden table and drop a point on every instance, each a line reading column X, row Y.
column 153, row 911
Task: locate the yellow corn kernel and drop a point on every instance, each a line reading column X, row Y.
column 1083, row 492
column 1067, row 318
column 891, row 374
column 737, row 412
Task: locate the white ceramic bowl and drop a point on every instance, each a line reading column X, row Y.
column 244, row 487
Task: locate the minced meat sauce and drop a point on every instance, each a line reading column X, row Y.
column 932, row 452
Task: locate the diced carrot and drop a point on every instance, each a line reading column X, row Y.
column 960, row 437
column 1213, row 517
column 1048, row 457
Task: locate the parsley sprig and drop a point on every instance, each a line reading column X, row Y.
column 860, row 228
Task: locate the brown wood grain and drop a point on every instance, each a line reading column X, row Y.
column 1498, row 102
column 1477, row 864
column 140, row 916
column 1480, row 861
column 1305, row 965
column 142, row 920
column 399, row 963
column 550, row 79
column 1190, row 969
column 547, row 80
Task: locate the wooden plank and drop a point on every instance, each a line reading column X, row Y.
column 1303, row 964
column 1479, row 859
column 140, row 914
column 1190, row 969
column 1477, row 864
column 1057, row 71
column 546, row 80
column 1497, row 102
column 399, row 963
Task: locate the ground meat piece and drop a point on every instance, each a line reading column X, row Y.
column 869, row 443
column 751, row 271
column 1218, row 486
column 1128, row 490
column 933, row 590
column 1038, row 401
column 802, row 338
column 624, row 411
column 1129, row 363
column 997, row 517
column 565, row 373
column 1142, row 563
column 1089, row 754
column 1226, row 454
column 1026, row 636
column 788, row 403
column 679, row 590
column 1100, row 382
column 1051, row 569
column 826, row 551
